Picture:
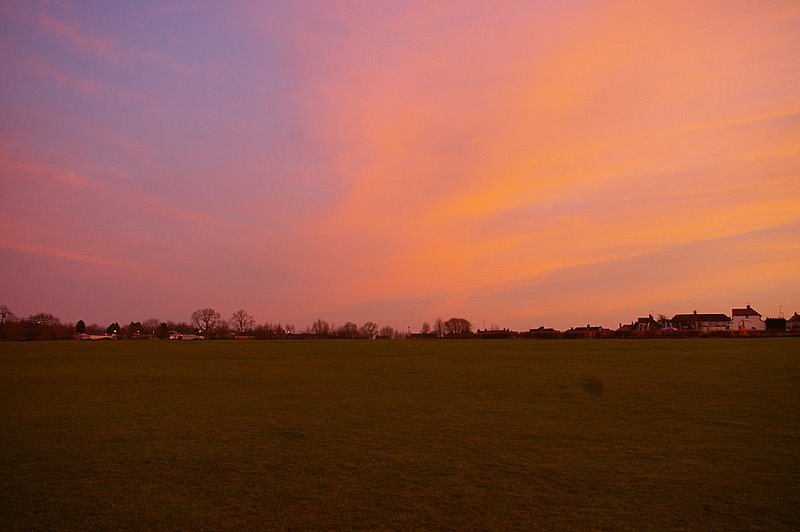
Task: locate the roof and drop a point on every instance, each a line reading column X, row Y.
column 745, row 311
column 794, row 318
column 700, row 317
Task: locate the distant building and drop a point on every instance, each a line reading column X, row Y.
column 494, row 334
column 793, row 323
column 648, row 324
column 702, row 323
column 589, row 331
column 747, row 319
column 642, row 326
column 775, row 324
column 542, row 332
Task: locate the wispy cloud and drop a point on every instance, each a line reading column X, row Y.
column 65, row 254
column 103, row 47
column 83, row 85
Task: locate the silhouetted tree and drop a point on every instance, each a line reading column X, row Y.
column 162, row 331
column 369, row 330
column 6, row 317
column 458, row 327
column 133, row 330
column 426, row 328
column 150, row 327
column 44, row 326
column 276, row 330
column 114, row 328
column 205, row 319
column 268, row 330
column 439, row 328
column 320, row 328
column 80, row 327
column 242, row 321
column 5, row 314
column 222, row 329
column 348, row 330
column 181, row 327
column 387, row 331
column 44, row 319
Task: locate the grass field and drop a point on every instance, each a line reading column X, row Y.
column 698, row 434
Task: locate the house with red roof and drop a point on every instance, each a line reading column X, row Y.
column 747, row 319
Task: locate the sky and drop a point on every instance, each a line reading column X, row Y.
column 516, row 163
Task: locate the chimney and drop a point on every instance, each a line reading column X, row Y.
column 695, row 312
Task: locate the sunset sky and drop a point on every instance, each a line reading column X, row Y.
column 516, row 163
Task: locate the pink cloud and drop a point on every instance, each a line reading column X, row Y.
column 65, row 254
column 42, row 68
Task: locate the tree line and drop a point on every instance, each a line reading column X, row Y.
column 208, row 323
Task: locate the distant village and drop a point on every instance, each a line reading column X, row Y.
column 742, row 322
column 208, row 324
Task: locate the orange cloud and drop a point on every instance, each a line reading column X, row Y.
column 639, row 111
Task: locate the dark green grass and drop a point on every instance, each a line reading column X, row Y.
column 332, row 434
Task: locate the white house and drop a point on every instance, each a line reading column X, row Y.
column 704, row 323
column 793, row 323
column 747, row 319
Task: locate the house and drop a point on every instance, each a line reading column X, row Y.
column 495, row 334
column 542, row 332
column 747, row 319
column 793, row 324
column 648, row 324
column 775, row 325
column 587, row 332
column 642, row 326
column 703, row 323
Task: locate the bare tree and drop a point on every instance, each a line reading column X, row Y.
column 44, row 319
column 150, row 326
column 348, row 330
column 242, row 321
column 222, row 328
column 439, row 328
column 6, row 316
column 426, row 328
column 320, row 328
column 387, row 331
column 205, row 319
column 458, row 326
column 45, row 326
column 369, row 330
